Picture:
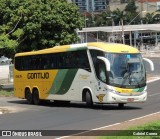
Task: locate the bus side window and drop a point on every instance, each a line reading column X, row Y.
column 53, row 62
column 101, row 71
column 82, row 60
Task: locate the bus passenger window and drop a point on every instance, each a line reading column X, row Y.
column 101, row 71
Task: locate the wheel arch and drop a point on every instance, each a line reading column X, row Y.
column 84, row 90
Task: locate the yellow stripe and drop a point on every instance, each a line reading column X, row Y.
column 56, row 49
column 123, row 90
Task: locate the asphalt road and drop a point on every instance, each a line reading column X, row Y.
column 156, row 61
column 75, row 116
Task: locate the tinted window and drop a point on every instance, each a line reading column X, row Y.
column 99, row 65
column 72, row 59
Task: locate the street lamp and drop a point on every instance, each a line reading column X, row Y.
column 111, row 17
column 86, row 19
column 122, row 31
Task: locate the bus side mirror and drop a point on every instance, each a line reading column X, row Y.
column 106, row 61
column 150, row 63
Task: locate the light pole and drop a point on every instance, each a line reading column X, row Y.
column 86, row 19
column 122, row 31
column 111, row 17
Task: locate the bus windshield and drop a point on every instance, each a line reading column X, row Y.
column 127, row 70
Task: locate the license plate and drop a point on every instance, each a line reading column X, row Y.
column 130, row 99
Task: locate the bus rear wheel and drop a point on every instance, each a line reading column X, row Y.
column 89, row 101
column 28, row 96
column 36, row 99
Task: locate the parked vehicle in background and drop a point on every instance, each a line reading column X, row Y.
column 5, row 60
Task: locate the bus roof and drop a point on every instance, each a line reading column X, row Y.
column 114, row 47
column 107, row 47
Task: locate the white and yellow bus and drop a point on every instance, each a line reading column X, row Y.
column 89, row 72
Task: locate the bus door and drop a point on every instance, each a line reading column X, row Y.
column 100, row 84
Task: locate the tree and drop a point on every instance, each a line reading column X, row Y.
column 117, row 16
column 131, row 12
column 149, row 18
column 157, row 18
column 104, row 19
column 38, row 24
column 131, row 7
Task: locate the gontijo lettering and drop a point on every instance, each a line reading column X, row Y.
column 38, row 75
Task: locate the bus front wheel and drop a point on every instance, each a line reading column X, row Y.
column 121, row 105
column 28, row 96
column 36, row 99
column 89, row 101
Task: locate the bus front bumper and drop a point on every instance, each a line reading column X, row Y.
column 117, row 98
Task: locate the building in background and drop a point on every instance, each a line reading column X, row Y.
column 92, row 5
column 102, row 5
column 149, row 5
column 142, row 5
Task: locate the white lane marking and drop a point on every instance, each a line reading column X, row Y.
column 154, row 94
column 153, row 80
column 87, row 131
column 110, row 125
column 145, row 116
column 106, row 126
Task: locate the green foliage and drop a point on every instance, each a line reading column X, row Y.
column 38, row 24
column 117, row 16
column 6, row 93
column 157, row 18
column 7, row 46
column 149, row 18
column 131, row 7
column 153, row 127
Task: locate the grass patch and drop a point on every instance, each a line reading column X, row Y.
column 6, row 93
column 149, row 128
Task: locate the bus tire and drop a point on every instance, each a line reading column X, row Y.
column 121, row 105
column 28, row 96
column 89, row 101
column 36, row 99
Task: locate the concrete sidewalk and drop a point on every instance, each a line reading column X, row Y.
column 150, row 53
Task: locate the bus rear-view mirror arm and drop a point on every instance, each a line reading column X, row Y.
column 106, row 61
column 150, row 63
